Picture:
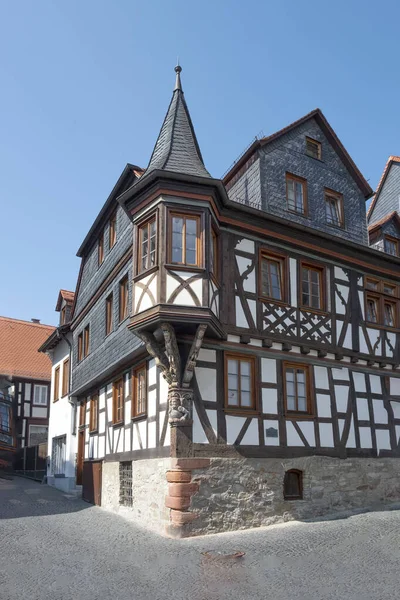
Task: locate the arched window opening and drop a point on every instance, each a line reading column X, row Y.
column 293, row 485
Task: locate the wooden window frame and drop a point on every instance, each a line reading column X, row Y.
column 116, row 406
column 65, row 378
column 265, row 254
column 94, row 413
column 392, row 240
column 82, row 413
column 86, row 341
column 135, row 395
column 80, row 346
column 199, row 258
column 381, row 298
column 123, row 299
column 112, row 231
column 214, row 255
column 300, row 479
column 318, row 144
column 328, row 193
column 254, row 397
column 292, row 177
column 109, row 313
column 56, row 390
column 100, row 250
column 322, row 281
column 140, row 228
column 63, row 315
column 310, row 412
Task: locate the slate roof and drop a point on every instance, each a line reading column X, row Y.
column 389, row 162
column 330, row 134
column 19, row 344
column 389, row 217
column 177, row 148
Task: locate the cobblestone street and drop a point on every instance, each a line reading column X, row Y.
column 57, row 547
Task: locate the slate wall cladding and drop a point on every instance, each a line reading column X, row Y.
column 389, row 198
column 92, row 274
column 265, row 182
column 247, row 190
column 105, row 351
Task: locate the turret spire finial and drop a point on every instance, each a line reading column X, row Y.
column 178, row 85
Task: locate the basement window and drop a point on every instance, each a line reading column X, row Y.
column 125, row 484
column 293, row 485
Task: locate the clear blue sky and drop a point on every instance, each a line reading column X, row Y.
column 85, row 87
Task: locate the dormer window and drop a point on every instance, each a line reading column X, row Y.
column 334, row 208
column 63, row 315
column 296, row 194
column 391, row 245
column 313, row 148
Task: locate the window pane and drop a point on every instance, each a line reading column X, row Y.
column 233, row 398
column 389, row 315
column 245, row 368
column 299, row 196
column 233, row 382
column 245, row 399
column 291, row 402
column 177, row 224
column 191, row 239
column 302, row 404
column 389, row 289
column 232, row 366
column 177, row 248
column 245, row 383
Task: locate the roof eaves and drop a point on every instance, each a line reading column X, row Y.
column 106, row 206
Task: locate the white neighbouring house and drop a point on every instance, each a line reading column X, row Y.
column 61, row 466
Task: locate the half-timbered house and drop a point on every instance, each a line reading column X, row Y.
column 236, row 342
column 24, row 384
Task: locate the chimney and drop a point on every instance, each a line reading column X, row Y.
column 35, row 320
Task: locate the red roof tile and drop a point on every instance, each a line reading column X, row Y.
column 19, row 343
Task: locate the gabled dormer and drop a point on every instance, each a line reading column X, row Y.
column 303, row 174
column 64, row 306
column 384, row 235
column 387, row 196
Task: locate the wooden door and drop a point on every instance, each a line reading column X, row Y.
column 80, row 457
column 91, row 481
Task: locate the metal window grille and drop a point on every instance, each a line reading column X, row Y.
column 125, row 484
column 58, row 455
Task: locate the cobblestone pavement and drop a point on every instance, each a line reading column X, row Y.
column 56, row 547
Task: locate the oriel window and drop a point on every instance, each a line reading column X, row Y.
column 312, row 287
column 296, row 194
column 147, row 254
column 381, row 302
column 184, row 242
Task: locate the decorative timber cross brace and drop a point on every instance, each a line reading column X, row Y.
column 180, row 395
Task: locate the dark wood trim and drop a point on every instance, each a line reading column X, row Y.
column 282, row 259
column 134, row 382
column 321, row 270
column 251, row 359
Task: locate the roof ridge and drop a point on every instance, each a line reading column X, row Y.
column 26, row 322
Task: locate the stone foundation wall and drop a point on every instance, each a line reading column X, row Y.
column 242, row 493
column 149, row 488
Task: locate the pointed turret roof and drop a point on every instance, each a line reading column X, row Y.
column 176, row 148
